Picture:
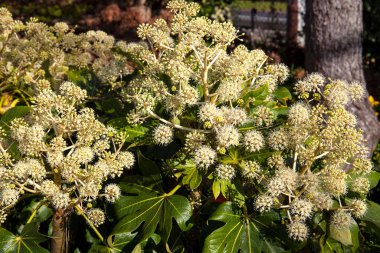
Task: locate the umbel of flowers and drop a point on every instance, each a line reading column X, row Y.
column 227, row 106
column 65, row 155
column 223, row 105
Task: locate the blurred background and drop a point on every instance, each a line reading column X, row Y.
column 339, row 38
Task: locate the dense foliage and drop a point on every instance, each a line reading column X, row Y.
column 179, row 143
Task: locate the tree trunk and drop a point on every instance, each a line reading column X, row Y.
column 58, row 241
column 334, row 48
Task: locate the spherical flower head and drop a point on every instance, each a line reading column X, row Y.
column 163, row 135
column 334, row 181
column 289, row 177
column 263, row 116
column 275, row 186
column 37, row 171
column 61, row 27
column 227, row 136
column 276, row 161
column 225, row 172
column 112, row 192
column 209, row 113
column 303, row 88
column 204, row 157
column 21, row 170
column 54, row 159
column 356, row 91
column 297, row 230
column 194, row 140
column 89, row 190
column 341, row 219
column 360, row 185
column 321, row 200
column 315, row 80
column 83, row 155
column 9, row 197
column 278, row 139
column 96, row 216
column 364, row 165
column 301, row 208
column 101, row 146
column 228, row 91
column 188, row 95
column 60, row 200
column 126, row 159
column 234, row 116
column 251, row 170
column 49, row 188
column 72, row 92
column 337, row 96
column 358, row 208
column 280, row 71
column 253, row 141
column 263, row 203
column 298, row 114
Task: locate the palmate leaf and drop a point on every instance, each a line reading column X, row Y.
column 237, row 235
column 149, row 211
column 119, row 241
column 372, row 217
column 27, row 242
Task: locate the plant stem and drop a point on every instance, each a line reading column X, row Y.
column 80, row 212
column 58, row 240
column 174, row 190
column 175, row 125
column 35, row 211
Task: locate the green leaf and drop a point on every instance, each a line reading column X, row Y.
column 120, row 241
column 150, row 210
column 372, row 216
column 77, row 76
column 280, row 111
column 11, row 114
column 133, row 132
column 282, row 93
column 239, row 233
column 27, row 242
column 348, row 236
column 373, row 178
column 192, row 176
column 149, row 168
column 216, row 188
column 257, row 94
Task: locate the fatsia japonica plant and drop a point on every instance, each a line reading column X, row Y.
column 226, row 159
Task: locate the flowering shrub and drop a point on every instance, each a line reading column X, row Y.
column 214, row 139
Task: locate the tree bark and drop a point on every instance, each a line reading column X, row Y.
column 58, row 241
column 334, row 48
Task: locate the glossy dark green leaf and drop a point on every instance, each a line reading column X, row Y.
column 27, row 242
column 150, row 211
column 11, row 114
column 257, row 94
column 133, row 132
column 149, row 168
column 282, row 93
column 238, row 234
column 372, row 216
column 191, row 174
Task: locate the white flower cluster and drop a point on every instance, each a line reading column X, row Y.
column 66, row 154
column 223, row 102
column 33, row 52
